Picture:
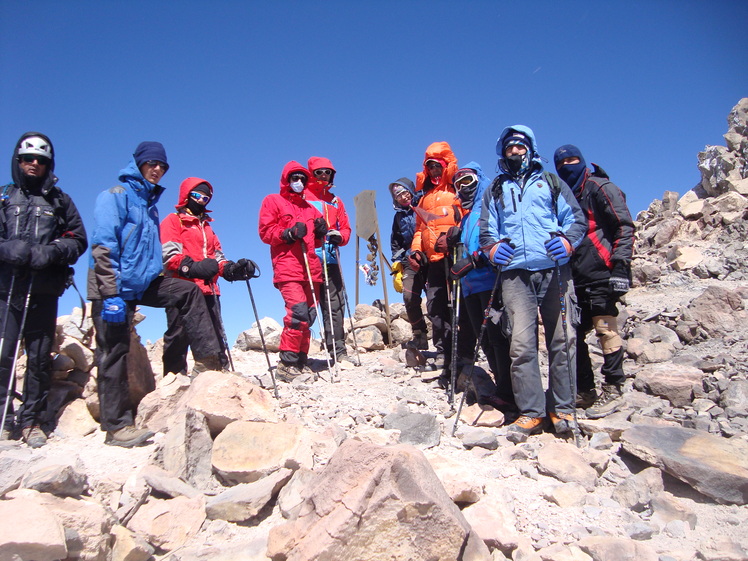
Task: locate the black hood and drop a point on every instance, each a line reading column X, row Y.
column 15, row 171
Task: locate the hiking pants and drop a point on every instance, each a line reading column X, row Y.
column 300, row 315
column 335, row 333
column 524, row 292
column 413, row 285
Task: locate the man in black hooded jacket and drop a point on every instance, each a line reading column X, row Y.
column 41, row 235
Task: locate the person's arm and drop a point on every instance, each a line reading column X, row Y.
column 110, row 212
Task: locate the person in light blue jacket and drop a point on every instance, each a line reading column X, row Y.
column 530, row 225
column 126, row 269
column 478, row 278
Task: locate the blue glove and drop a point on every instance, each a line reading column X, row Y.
column 114, row 310
column 503, row 253
column 557, row 248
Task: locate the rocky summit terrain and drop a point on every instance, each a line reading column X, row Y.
column 362, row 464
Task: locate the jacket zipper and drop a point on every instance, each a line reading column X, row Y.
column 37, row 214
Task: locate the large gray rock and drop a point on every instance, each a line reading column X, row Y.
column 377, row 503
column 637, row 490
column 606, row 548
column 63, row 480
column 171, row 523
column 565, row 463
column 673, row 382
column 714, row 466
column 250, row 339
column 243, row 502
column 30, row 531
column 717, row 310
column 186, row 449
column 419, row 429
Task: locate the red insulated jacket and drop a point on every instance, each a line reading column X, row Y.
column 186, row 235
column 332, row 208
column 281, row 211
column 439, row 208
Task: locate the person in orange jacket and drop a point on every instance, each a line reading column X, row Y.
column 438, row 213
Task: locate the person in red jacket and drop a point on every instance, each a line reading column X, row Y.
column 292, row 228
column 332, row 297
column 192, row 251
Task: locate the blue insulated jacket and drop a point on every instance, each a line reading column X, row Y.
column 125, row 244
column 481, row 278
column 523, row 210
column 403, row 223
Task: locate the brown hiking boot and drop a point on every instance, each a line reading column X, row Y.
column 609, row 401
column 585, row 399
column 287, row 372
column 34, row 436
column 206, row 363
column 563, row 423
column 127, row 437
column 420, row 340
column 523, row 427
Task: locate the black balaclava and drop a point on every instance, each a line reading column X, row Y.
column 467, row 194
column 192, row 205
column 572, row 174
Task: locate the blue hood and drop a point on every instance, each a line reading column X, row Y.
column 534, row 156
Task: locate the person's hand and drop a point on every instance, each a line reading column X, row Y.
column 397, row 276
column 557, row 247
column 502, row 253
column 244, row 269
column 320, row 227
column 441, row 246
column 334, row 237
column 416, row 260
column 15, row 252
column 295, row 232
column 205, row 269
column 114, row 310
column 44, row 255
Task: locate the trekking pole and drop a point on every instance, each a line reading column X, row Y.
column 12, row 378
column 576, row 431
column 347, row 306
column 11, row 375
column 262, row 339
column 484, row 323
column 331, row 333
column 316, row 305
column 456, row 285
column 221, row 328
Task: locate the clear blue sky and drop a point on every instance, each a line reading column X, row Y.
column 234, row 90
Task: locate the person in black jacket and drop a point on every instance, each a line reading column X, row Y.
column 601, row 268
column 41, row 235
column 411, row 283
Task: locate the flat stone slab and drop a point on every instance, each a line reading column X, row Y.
column 716, row 467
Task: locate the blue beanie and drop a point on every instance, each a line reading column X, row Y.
column 515, row 137
column 572, row 174
column 566, row 151
column 149, row 150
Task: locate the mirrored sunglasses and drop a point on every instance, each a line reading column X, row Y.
column 156, row 163
column 201, row 198
column 28, row 158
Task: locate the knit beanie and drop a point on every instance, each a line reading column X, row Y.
column 149, row 150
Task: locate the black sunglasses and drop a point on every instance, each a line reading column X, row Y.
column 28, row 158
column 157, row 163
column 298, row 177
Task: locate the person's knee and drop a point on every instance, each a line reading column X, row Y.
column 300, row 316
column 606, row 330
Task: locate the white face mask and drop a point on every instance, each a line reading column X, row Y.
column 297, row 186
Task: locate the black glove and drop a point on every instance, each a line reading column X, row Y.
column 45, row 255
column 15, row 252
column 441, row 245
column 320, row 228
column 462, row 267
column 453, row 237
column 334, row 237
column 205, row 269
column 244, row 269
column 619, row 279
column 295, row 232
column 416, row 260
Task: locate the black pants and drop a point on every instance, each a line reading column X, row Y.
column 413, row 285
column 38, row 336
column 113, row 343
column 176, row 341
column 335, row 333
column 494, row 343
column 440, row 313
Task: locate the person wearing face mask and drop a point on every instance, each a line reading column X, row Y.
column 41, row 236
column 530, row 225
column 601, row 268
column 437, row 211
column 478, row 279
column 126, row 269
column 192, row 251
column 332, row 298
column 292, row 227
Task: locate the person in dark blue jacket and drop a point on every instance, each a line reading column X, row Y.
column 411, row 283
column 478, row 278
column 530, row 225
column 126, row 269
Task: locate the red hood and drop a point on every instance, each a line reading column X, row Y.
column 285, row 185
column 187, row 186
column 320, row 190
column 438, row 151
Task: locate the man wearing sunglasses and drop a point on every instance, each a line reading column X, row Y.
column 41, row 235
column 332, row 299
column 193, row 252
column 126, row 269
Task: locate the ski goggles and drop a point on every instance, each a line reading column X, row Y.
column 201, row 198
column 28, row 158
column 321, row 172
column 157, row 163
column 465, row 180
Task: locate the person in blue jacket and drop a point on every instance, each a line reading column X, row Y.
column 530, row 225
column 412, row 283
column 126, row 269
column 478, row 279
